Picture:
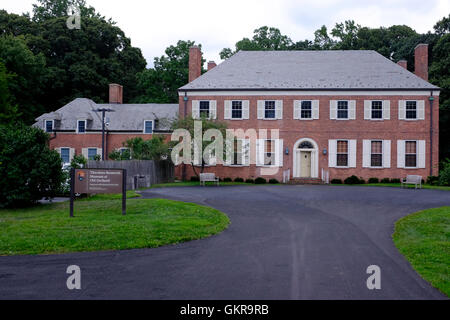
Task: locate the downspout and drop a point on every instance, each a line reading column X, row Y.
column 431, row 132
column 183, row 168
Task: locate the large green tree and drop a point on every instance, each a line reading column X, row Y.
column 8, row 111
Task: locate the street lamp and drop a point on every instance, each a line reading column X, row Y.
column 103, row 111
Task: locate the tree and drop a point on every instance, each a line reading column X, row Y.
column 347, row 33
column 171, row 71
column 8, row 111
column 188, row 123
column 29, row 170
column 153, row 149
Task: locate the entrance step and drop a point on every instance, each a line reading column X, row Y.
column 306, row 181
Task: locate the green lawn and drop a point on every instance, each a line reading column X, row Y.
column 396, row 185
column 424, row 239
column 99, row 225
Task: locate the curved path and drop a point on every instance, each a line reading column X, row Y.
column 285, row 242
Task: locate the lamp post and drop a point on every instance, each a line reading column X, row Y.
column 103, row 111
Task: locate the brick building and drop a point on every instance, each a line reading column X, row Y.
column 76, row 128
column 342, row 112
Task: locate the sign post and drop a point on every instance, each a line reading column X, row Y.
column 107, row 181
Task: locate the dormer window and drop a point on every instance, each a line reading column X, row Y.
column 81, row 126
column 48, row 126
column 148, row 126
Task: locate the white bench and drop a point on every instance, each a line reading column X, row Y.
column 412, row 179
column 208, row 177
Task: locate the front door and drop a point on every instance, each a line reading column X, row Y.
column 305, row 164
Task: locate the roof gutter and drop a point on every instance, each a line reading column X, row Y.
column 185, row 91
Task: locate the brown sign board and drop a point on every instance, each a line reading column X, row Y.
column 98, row 181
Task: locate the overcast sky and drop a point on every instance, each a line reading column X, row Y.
column 154, row 25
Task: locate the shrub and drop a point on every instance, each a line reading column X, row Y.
column 238, row 180
column 395, row 180
column 274, row 181
column 362, row 181
column 374, row 180
column 29, row 170
column 195, row 179
column 352, row 180
column 249, row 181
column 433, row 180
column 78, row 162
column 385, row 180
column 260, row 181
column 227, row 180
column 444, row 174
column 336, row 181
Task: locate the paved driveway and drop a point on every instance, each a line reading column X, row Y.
column 285, row 242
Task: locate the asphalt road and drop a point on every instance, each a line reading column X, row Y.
column 285, row 242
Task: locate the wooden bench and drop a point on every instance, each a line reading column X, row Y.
column 208, row 177
column 412, row 179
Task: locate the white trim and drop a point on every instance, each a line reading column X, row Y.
column 314, row 157
column 85, row 126
column 310, row 93
column 153, row 126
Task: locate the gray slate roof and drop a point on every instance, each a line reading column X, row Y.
column 308, row 70
column 127, row 117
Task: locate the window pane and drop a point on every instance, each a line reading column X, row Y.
column 81, row 126
column 342, row 112
column 148, row 126
column 377, row 110
column 342, row 160
column 65, row 155
column 236, row 110
column 377, row 147
column 342, row 146
column 306, row 112
column 410, row 147
column 270, row 110
column 204, row 109
column 342, row 153
column 92, row 152
column 411, row 110
column 377, row 160
column 269, row 155
column 410, row 160
column 49, row 126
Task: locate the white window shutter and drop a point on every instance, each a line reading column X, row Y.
column 58, row 150
column 333, row 109
column 400, row 153
column 246, row 152
column 421, row 154
column 279, row 152
column 352, row 153
column 260, row 152
column 332, row 153
column 229, row 152
column 297, row 109
column 386, row 153
column 71, row 154
column 279, row 109
column 99, row 152
column 367, row 152
column 402, row 110
column 213, row 109
column 195, row 109
column 421, row 110
column 84, row 152
column 246, row 109
column 315, row 109
column 367, row 109
column 261, row 109
column 352, row 110
column 386, row 109
column 227, row 110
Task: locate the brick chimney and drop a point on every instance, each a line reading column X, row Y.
column 211, row 65
column 195, row 63
column 403, row 64
column 421, row 61
column 115, row 93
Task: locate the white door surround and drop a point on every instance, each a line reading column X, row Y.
column 314, row 157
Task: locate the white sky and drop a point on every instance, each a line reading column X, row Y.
column 154, row 25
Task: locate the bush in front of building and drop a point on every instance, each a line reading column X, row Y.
column 227, row 180
column 238, row 180
column 444, row 174
column 195, row 179
column 29, row 170
column 260, row 181
column 353, row 180
column 433, row 180
column 274, row 181
column 249, row 181
column 374, row 180
column 385, row 180
column 336, row 181
column 78, row 162
column 395, row 180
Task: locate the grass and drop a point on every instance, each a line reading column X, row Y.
column 99, row 225
column 424, row 239
column 396, row 185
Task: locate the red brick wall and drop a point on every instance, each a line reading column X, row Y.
column 421, row 61
column 195, row 63
column 324, row 129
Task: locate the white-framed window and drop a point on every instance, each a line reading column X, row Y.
column 411, row 154
column 204, row 109
column 377, row 109
column 65, row 155
column 376, row 153
column 306, row 109
column 411, row 110
column 270, row 109
column 81, row 126
column 149, row 126
column 269, row 152
column 342, row 153
column 92, row 153
column 49, row 125
column 342, row 109
column 236, row 109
